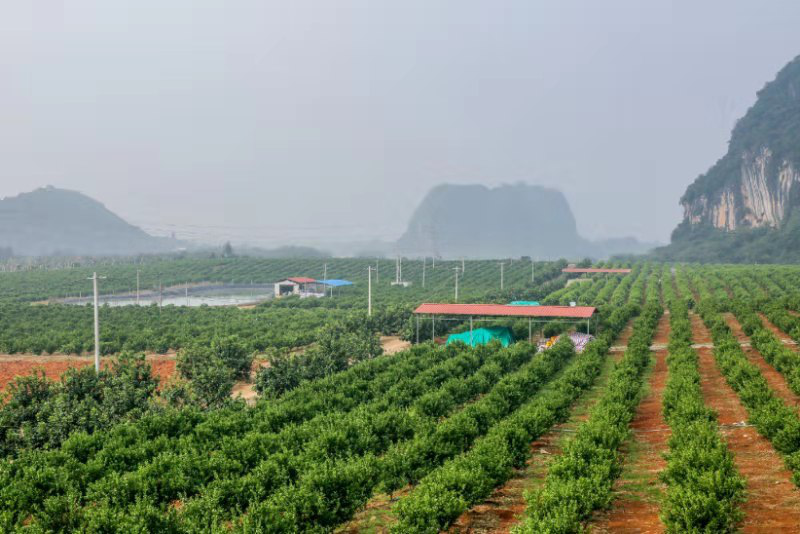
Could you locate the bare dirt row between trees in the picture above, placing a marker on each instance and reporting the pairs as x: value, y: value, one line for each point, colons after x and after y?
x: 780, y: 334
x: 639, y: 490
x: 772, y: 502
x: 505, y: 507
x: 775, y: 380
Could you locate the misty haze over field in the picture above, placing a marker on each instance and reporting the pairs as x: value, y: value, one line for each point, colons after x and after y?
x: 276, y: 122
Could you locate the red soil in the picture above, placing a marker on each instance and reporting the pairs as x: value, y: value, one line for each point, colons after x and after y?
x: 505, y: 507
x: 163, y: 366
x: 775, y: 380
x: 780, y: 334
x: 773, y: 502
x: 636, y: 509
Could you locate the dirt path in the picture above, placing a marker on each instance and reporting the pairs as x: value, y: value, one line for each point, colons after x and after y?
x: 621, y: 343
x: 637, y: 507
x: 775, y: 380
x: 773, y: 502
x: 393, y: 344
x: 500, y: 511
x: 504, y: 508
x: 780, y: 334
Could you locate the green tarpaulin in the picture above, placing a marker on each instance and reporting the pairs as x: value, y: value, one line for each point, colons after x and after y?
x: 482, y: 336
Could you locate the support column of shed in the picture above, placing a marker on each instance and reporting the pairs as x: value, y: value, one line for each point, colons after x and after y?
x: 470, y: 331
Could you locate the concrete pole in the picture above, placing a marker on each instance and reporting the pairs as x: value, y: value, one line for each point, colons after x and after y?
x: 369, y: 290
x: 96, y: 326
x: 502, y: 265
x: 456, y: 271
x: 94, y: 280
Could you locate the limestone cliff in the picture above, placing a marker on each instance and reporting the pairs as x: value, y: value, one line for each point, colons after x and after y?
x: 747, y: 198
x: 754, y: 184
x: 759, y: 195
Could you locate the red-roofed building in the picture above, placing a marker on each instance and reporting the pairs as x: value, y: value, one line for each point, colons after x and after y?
x: 580, y: 270
x: 505, y: 310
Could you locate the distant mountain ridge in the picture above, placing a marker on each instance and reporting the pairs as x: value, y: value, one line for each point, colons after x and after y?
x: 475, y: 221
x: 745, y: 207
x: 52, y: 221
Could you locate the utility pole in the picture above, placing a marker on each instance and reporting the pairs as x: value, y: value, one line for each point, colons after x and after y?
x: 325, y: 272
x: 533, y: 271
x: 94, y: 279
x: 369, y: 291
x: 456, y: 271
x: 424, y: 261
x: 502, y: 265
x: 137, y: 287
x: 377, y: 270
x: 462, y: 264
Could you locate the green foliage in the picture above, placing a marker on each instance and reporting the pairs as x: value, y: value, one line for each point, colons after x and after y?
x: 38, y: 413
x: 773, y: 418
x: 339, y: 345
x: 581, y: 479
x: 448, y: 491
x: 704, y: 490
x: 301, y: 460
x: 211, y: 371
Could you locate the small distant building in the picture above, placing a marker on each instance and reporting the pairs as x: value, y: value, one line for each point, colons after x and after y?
x: 307, y: 287
x: 334, y: 284
x: 304, y: 287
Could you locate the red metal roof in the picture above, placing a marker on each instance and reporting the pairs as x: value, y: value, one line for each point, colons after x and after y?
x: 579, y: 270
x: 301, y: 280
x: 504, y: 310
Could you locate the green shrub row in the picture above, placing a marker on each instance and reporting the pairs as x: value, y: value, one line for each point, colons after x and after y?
x: 771, y: 416
x: 331, y: 493
x: 85, y: 459
x: 448, y: 491
x: 582, y: 478
x: 704, y: 490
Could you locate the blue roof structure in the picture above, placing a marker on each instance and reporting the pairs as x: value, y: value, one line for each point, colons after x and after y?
x: 336, y: 283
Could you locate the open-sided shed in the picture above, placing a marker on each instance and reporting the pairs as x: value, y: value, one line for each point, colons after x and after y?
x: 481, y: 311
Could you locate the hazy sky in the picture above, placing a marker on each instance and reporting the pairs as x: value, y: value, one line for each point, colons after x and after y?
x: 291, y: 120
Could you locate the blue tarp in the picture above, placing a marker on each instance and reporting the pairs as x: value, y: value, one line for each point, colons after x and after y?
x: 335, y: 283
x: 524, y: 303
